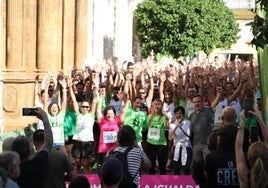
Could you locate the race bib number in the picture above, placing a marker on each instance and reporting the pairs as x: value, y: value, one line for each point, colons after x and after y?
x: 154, y: 133
x: 109, y: 137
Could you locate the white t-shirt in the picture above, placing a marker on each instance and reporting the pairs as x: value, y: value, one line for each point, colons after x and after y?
x: 84, y: 127
x: 218, y: 112
x: 180, y: 140
x: 189, y: 107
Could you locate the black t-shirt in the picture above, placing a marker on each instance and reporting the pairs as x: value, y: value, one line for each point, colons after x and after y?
x: 221, y: 169
x: 34, y: 171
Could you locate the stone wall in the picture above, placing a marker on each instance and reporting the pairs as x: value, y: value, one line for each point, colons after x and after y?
x: 36, y: 37
x: 49, y: 35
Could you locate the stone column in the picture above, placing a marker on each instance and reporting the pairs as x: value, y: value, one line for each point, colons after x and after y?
x: 90, y: 23
x: 2, y: 55
x: 14, y: 34
x: 29, y: 36
x: 81, y: 32
x: 68, y: 35
x: 49, y: 32
x: 3, y: 34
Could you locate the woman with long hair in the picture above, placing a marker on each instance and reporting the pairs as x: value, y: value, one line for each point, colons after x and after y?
x: 157, y: 124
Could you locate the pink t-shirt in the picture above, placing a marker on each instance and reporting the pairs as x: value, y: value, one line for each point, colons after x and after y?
x: 108, y: 134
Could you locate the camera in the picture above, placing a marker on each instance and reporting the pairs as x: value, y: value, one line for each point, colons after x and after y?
x: 29, y: 112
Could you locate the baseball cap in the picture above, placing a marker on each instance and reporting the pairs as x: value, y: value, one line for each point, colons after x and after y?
x: 112, y: 167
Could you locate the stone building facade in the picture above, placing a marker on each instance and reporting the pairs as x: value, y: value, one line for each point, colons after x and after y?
x: 37, y: 36
x: 49, y: 35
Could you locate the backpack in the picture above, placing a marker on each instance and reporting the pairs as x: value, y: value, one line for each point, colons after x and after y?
x: 127, y: 181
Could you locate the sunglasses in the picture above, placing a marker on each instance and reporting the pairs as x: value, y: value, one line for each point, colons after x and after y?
x: 85, y: 106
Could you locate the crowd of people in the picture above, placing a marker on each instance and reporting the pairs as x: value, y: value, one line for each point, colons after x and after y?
x: 186, y: 118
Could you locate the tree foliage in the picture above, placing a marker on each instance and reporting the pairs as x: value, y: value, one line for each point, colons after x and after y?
x: 183, y: 27
x: 259, y: 26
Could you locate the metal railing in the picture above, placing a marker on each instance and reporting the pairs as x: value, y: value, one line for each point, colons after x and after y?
x: 240, y: 4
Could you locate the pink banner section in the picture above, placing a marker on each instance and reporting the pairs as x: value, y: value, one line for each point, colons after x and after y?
x: 153, y: 181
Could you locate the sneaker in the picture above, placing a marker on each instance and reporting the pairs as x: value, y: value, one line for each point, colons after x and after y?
x: 95, y: 166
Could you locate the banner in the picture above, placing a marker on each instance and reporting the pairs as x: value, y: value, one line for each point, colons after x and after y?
x: 153, y: 181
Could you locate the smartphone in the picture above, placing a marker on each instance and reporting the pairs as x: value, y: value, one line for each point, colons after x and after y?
x: 259, y: 103
x: 28, y: 111
x: 253, y: 134
x: 248, y: 106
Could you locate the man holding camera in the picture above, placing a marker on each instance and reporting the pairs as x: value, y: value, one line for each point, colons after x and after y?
x: 34, y: 171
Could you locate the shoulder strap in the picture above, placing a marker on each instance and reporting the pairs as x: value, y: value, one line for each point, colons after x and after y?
x: 184, y: 132
x: 128, y: 150
x: 125, y: 155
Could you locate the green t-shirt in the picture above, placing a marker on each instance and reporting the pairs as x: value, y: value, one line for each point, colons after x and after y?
x: 69, y: 123
x: 156, y: 130
x: 57, y: 127
x: 135, y: 119
x: 181, y: 102
x: 250, y: 122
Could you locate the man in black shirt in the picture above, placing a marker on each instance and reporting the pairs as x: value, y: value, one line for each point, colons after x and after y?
x: 33, y: 171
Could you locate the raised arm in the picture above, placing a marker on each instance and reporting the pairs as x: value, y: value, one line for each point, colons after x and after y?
x: 162, y: 79
x: 37, y: 95
x: 218, y: 98
x: 125, y: 100
x: 95, y: 100
x: 236, y: 92
x: 100, y: 96
x: 150, y: 94
x: 48, y: 137
x: 46, y: 85
x: 263, y: 127
x: 54, y: 79
x: 72, y: 95
x: 63, y: 84
x: 241, y: 165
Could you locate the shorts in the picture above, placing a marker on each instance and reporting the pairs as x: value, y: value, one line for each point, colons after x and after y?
x: 82, y: 150
x: 69, y: 141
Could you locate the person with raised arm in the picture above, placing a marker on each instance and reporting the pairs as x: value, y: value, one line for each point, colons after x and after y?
x: 83, y: 139
x: 243, y: 169
x: 34, y: 171
x: 56, y: 113
x: 109, y: 123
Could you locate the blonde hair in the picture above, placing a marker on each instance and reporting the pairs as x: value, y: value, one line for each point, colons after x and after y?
x: 153, y: 113
x: 255, y: 150
x: 259, y: 170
